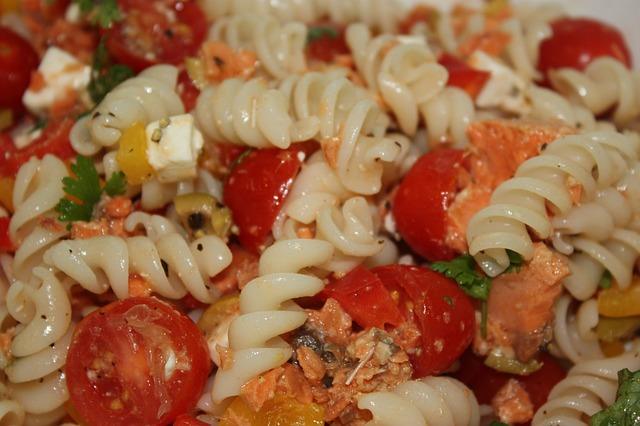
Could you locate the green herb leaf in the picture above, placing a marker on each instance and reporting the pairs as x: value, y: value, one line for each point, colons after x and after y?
x: 497, y: 423
x: 101, y: 12
x: 40, y: 123
x: 316, y: 33
x: 605, y: 280
x: 116, y: 185
x: 462, y: 270
x: 70, y: 211
x: 626, y: 410
x: 515, y: 261
x: 104, y: 76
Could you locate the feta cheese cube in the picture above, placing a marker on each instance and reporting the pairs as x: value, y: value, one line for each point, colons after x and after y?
x: 505, y: 89
x: 62, y: 73
x: 173, y: 146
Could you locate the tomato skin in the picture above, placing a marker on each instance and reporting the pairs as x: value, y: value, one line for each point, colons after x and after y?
x: 5, y: 241
x: 155, y: 39
x: 463, y: 76
x: 53, y: 140
x: 257, y: 188
x: 125, y: 344
x: 420, y: 204
x: 576, y: 42
x: 365, y: 298
x: 420, y: 13
x: 188, y: 91
x: 326, y: 48
x: 443, y: 313
x: 18, y: 60
x: 485, y: 382
x: 187, y: 420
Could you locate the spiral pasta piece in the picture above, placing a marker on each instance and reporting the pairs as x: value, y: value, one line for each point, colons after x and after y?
x: 267, y: 311
x: 573, y: 335
x: 604, y: 84
x: 438, y: 401
x: 36, y: 192
x: 447, y: 116
x: 589, y: 387
x: 172, y: 266
x: 280, y: 48
x: 521, y: 202
x: 382, y: 15
x: 35, y: 376
x: 147, y: 97
x: 405, y: 74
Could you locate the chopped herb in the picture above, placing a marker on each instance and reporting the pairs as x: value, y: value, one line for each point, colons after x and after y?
x: 101, y: 12
x: 448, y: 300
x: 497, y: 423
x: 626, y: 410
x: 85, y: 187
x: 605, y: 280
x: 515, y: 261
x: 462, y: 270
x: 104, y: 75
x: 40, y: 123
x: 316, y: 33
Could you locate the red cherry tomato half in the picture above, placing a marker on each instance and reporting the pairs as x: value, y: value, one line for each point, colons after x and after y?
x: 147, y: 35
x: 187, y: 90
x: 187, y: 420
x: 136, y: 361
x: 463, y: 76
x: 258, y: 186
x: 443, y: 313
x: 578, y: 41
x: 421, y: 202
x: 365, y: 298
x: 485, y: 382
x: 419, y: 14
x: 17, y: 61
x: 53, y: 140
x: 5, y: 241
x: 330, y: 42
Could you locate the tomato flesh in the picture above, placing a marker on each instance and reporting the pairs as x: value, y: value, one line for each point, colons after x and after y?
x: 5, y: 241
x: 576, y: 42
x: 443, y: 313
x: 136, y: 361
x: 187, y: 420
x: 187, y: 90
x: 329, y: 45
x: 146, y: 36
x: 463, y: 76
x: 365, y: 298
x: 421, y: 202
x: 17, y: 61
x: 257, y: 188
x: 53, y: 140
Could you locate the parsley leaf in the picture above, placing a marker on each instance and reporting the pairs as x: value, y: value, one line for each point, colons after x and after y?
x: 101, y: 12
x: 626, y: 410
x: 497, y: 423
x: 515, y: 261
x: 316, y: 33
x: 104, y: 76
x: 462, y: 270
x: 116, y: 185
x: 605, y: 280
x: 85, y: 187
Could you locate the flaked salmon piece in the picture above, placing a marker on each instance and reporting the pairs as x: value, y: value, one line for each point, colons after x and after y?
x: 512, y: 403
x: 311, y: 364
x: 520, y: 305
x: 332, y: 323
x: 497, y: 148
x: 293, y: 383
x: 243, y: 268
x: 118, y: 207
x: 492, y: 42
x: 260, y: 389
x: 138, y: 286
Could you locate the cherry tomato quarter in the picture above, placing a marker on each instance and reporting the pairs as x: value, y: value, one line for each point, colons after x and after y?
x: 326, y: 42
x: 5, y: 242
x: 18, y: 60
x: 463, y: 76
x: 136, y: 361
x: 421, y: 202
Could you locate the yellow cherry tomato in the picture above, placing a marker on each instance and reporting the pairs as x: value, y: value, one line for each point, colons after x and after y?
x: 280, y: 411
x: 617, y: 303
x: 132, y: 155
x: 6, y: 193
x: 218, y: 312
x: 7, y: 6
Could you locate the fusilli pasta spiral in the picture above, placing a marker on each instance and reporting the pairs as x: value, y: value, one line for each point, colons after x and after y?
x: 573, y: 332
x: 441, y: 401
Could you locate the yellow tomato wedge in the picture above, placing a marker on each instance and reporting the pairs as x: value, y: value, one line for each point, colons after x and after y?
x: 6, y: 193
x: 616, y: 303
x: 281, y: 410
x: 218, y: 312
x: 132, y: 155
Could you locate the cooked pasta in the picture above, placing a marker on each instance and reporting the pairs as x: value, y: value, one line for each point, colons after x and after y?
x: 573, y: 332
x: 279, y: 47
x: 604, y: 84
x: 147, y: 97
x: 447, y: 116
x: 267, y: 311
x: 589, y: 387
x: 520, y: 202
x: 441, y: 401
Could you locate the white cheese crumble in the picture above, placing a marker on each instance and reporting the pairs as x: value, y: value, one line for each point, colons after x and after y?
x: 62, y: 73
x: 173, y: 146
x: 504, y: 89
